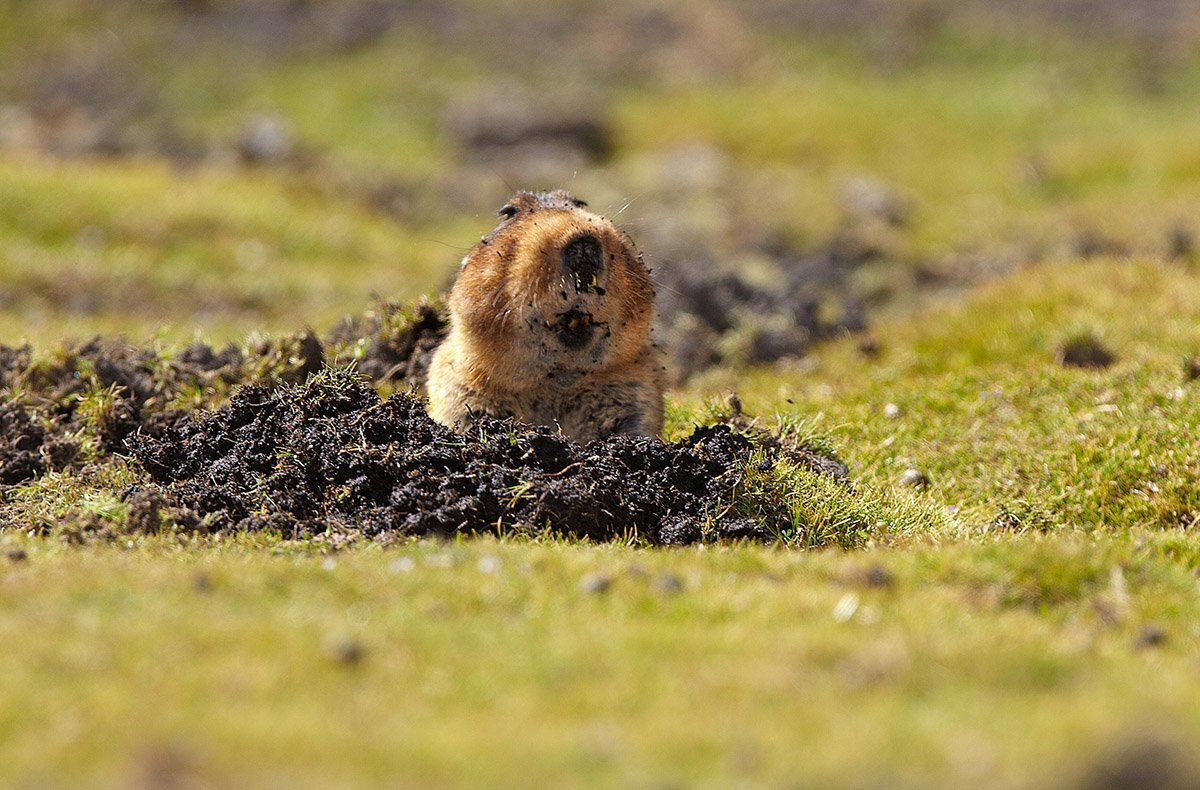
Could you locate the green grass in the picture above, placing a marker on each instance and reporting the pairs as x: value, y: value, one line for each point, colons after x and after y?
x: 138, y: 247
x: 486, y: 662
x: 999, y: 143
x: 982, y: 406
x: 1004, y: 147
x: 1019, y: 622
x: 957, y: 648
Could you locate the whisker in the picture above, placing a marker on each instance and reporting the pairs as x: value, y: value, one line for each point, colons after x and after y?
x: 511, y: 189
x: 447, y: 244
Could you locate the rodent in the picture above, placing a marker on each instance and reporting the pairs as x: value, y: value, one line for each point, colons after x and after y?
x: 550, y: 324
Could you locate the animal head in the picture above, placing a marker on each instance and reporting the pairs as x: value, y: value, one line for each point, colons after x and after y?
x: 553, y: 287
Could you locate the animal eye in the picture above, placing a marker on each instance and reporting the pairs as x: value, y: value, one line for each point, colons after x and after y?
x: 508, y: 212
x: 579, y: 203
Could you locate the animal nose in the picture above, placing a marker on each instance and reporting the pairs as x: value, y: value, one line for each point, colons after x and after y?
x: 583, y: 259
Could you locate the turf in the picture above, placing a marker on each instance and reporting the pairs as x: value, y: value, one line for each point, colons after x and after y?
x: 1004, y: 594
x: 1053, y: 605
x: 502, y: 663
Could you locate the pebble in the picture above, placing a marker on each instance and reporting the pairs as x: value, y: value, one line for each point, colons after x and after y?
x: 595, y: 584
x: 878, y: 576
x: 846, y: 606
x: 402, y: 565
x: 346, y: 652
x: 1150, y: 635
x: 667, y: 584
x: 265, y: 139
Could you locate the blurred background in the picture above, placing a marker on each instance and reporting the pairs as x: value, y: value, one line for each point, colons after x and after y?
x: 789, y: 169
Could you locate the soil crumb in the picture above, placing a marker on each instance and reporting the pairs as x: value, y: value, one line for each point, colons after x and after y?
x: 1085, y: 350
x: 331, y: 454
x: 20, y: 445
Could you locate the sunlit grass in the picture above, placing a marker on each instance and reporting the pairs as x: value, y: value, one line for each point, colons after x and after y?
x: 973, y: 396
x: 1029, y: 613
x: 142, y: 247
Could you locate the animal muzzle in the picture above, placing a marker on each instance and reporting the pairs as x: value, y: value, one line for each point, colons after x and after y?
x: 583, y: 263
x: 574, y: 328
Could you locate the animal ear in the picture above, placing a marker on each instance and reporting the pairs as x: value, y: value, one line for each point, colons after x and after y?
x: 509, y: 211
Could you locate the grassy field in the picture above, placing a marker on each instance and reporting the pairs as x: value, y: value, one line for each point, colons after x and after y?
x: 1021, y: 603
x: 1042, y: 632
x: 1011, y: 661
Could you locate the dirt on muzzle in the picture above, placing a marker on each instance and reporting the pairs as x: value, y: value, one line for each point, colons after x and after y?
x: 330, y: 453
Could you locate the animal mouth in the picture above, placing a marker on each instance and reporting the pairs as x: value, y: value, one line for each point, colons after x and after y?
x: 574, y: 328
x: 583, y: 261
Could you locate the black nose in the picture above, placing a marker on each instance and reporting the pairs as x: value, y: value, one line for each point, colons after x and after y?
x: 583, y: 258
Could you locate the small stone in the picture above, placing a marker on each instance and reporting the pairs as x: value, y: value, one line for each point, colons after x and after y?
x: 914, y: 478
x: 845, y: 608
x: 1150, y: 635
x: 869, y: 197
x: 667, y: 584
x: 1181, y: 242
x: 1085, y: 351
x: 265, y: 139
x: 891, y: 411
x: 346, y: 652
x: 402, y: 565
x: 878, y: 576
x: 595, y: 584
x: 869, y: 347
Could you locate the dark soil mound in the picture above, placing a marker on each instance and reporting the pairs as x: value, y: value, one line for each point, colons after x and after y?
x: 392, y: 344
x: 1085, y: 350
x: 20, y: 445
x: 301, y: 449
x: 302, y: 458
x: 701, y: 309
x: 105, y: 389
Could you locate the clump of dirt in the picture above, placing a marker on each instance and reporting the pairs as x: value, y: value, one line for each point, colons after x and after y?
x: 83, y: 401
x: 146, y: 515
x: 503, y: 120
x: 92, y: 396
x: 330, y: 453
x: 392, y: 344
x: 1143, y: 760
x: 21, y: 441
x: 1085, y: 350
x: 781, y: 444
x: 710, y: 317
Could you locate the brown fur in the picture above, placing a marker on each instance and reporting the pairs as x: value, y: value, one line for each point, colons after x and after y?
x: 535, y: 336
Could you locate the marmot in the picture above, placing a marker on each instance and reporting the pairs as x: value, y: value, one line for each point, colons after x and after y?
x: 550, y: 323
